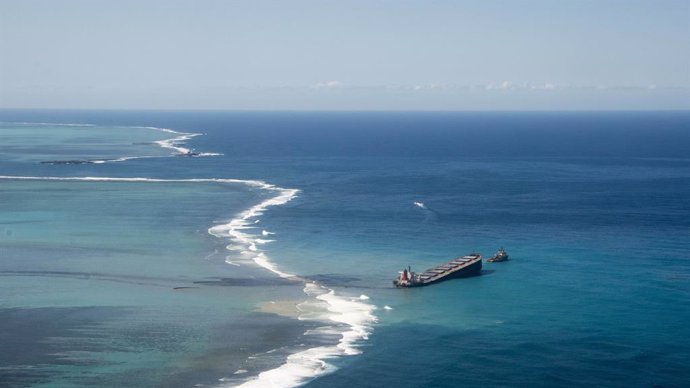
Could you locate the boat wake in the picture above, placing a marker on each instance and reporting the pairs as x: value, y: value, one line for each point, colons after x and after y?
x: 431, y: 215
x: 349, y: 317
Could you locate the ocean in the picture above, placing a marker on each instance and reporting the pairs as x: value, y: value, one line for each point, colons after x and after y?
x: 218, y: 249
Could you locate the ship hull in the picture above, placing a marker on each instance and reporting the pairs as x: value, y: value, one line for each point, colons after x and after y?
x: 470, y: 268
x: 474, y: 269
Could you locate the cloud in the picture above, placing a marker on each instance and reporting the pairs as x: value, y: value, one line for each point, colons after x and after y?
x: 329, y: 85
x: 546, y: 86
x: 505, y: 85
x: 510, y: 85
x: 433, y: 87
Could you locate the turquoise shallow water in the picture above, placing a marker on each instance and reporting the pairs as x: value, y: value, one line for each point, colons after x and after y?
x: 592, y: 208
x: 27, y: 142
x: 119, y: 283
x: 109, y: 256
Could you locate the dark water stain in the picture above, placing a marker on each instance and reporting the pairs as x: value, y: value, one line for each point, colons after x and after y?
x: 247, y: 282
x: 334, y: 280
x: 440, y: 356
x: 266, y: 338
x: 35, y: 341
x: 129, y: 279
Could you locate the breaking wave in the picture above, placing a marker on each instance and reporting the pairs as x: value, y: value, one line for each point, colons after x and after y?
x: 177, y: 144
x: 351, y: 317
x: 353, y: 320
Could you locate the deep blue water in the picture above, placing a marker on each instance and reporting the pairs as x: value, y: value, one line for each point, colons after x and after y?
x: 593, y: 209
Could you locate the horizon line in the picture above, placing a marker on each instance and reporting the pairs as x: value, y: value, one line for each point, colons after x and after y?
x: 340, y: 110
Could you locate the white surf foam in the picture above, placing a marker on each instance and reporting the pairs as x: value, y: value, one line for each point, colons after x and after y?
x: 177, y: 143
x: 229, y: 261
x: 122, y: 159
x: 249, y: 182
x: 202, y: 154
x: 354, y: 319
x: 236, y: 229
x: 351, y: 317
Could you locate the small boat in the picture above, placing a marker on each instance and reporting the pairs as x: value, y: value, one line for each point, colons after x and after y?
x: 501, y: 255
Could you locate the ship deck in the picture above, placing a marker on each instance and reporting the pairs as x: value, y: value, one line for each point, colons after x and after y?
x: 451, y: 269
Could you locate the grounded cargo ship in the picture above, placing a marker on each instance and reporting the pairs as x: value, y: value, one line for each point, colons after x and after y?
x: 461, y: 267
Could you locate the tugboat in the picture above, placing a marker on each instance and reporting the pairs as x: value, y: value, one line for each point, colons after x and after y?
x: 501, y: 255
x: 461, y: 267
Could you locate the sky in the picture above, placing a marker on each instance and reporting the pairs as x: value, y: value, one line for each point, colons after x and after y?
x: 345, y: 55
